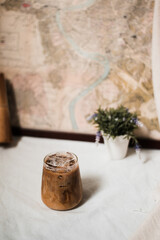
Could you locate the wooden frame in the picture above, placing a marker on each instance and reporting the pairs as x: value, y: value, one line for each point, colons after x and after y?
x: 17, y: 131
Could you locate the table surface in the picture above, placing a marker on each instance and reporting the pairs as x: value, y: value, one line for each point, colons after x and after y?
x: 117, y: 195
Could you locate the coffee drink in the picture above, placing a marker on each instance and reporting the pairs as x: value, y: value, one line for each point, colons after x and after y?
x: 61, y: 181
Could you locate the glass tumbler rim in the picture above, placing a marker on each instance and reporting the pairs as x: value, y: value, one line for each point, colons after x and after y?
x: 72, y: 163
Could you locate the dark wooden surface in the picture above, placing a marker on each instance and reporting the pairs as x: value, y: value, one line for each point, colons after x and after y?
x: 144, y: 142
x: 5, y: 128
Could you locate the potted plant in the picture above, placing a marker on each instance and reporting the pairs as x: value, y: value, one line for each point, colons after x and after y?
x: 117, y: 128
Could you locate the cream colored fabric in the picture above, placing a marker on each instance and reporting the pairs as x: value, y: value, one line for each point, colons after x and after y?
x: 118, y: 195
x: 150, y: 230
x: 156, y: 56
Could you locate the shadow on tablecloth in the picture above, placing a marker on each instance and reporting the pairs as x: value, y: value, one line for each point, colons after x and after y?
x: 91, y: 185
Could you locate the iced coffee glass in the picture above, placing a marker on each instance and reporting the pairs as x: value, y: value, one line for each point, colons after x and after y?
x: 61, y: 181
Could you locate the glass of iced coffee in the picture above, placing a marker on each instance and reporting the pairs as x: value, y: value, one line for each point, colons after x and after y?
x: 61, y: 181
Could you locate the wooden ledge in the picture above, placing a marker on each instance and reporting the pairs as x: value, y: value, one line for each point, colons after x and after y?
x: 17, y: 131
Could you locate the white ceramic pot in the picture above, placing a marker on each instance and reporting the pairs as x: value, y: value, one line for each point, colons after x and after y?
x: 117, y: 147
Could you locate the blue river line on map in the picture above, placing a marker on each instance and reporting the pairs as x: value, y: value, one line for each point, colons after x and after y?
x: 96, y: 57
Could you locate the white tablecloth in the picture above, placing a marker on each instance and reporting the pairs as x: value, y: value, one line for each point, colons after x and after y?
x: 118, y: 195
